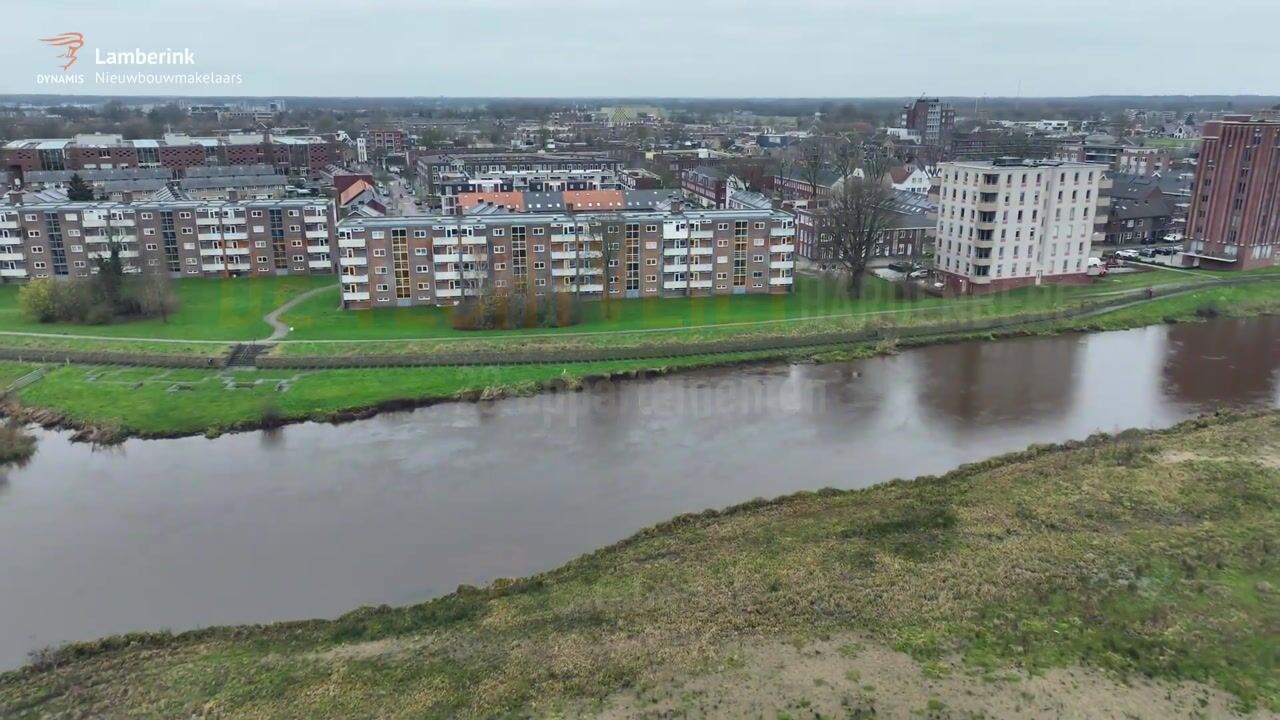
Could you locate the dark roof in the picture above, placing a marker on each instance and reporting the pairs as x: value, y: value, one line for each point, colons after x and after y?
x: 708, y: 171
x: 1133, y: 187
x: 1156, y: 206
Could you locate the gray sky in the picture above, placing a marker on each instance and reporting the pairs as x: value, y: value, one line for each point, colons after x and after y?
x: 719, y: 48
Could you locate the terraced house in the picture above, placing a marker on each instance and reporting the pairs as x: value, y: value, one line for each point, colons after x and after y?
x: 217, y: 238
x: 629, y: 253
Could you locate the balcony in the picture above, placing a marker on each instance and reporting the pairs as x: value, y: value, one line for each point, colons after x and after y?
x: 781, y: 264
x: 704, y: 251
x: 357, y: 261
x: 351, y: 242
x: 313, y: 249
x: 449, y: 292
x: 780, y: 280
x: 782, y: 232
x: 13, y: 272
x: 211, y: 252
x: 357, y: 296
x: 675, y: 285
x: 448, y: 275
x: 782, y: 248
x: 317, y: 233
x: 8, y: 224
x: 702, y: 234
x: 12, y: 257
x: 92, y: 222
x: 677, y: 252
x: 207, y: 237
x: 103, y: 254
x: 213, y: 267
x: 235, y: 236
x: 122, y: 222
x: 474, y: 239
x: 239, y: 267
x: 700, y: 284
x: 571, y: 255
x: 449, y: 258
x: 587, y: 287
x: 355, y: 279
x: 208, y: 221
x: 320, y: 264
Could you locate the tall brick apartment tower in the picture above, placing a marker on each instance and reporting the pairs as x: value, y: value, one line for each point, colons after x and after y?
x: 1234, y: 219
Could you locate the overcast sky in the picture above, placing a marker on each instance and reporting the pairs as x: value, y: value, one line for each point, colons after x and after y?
x: 720, y: 48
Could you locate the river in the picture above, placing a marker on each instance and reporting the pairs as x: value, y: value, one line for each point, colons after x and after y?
x: 313, y: 520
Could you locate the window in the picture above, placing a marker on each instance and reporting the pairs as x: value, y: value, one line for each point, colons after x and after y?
x: 651, y: 228
x: 255, y: 213
x: 148, y: 231
x: 498, y: 232
x: 539, y: 231
x: 499, y: 249
x: 424, y: 286
x: 499, y: 266
x: 299, y: 258
x: 37, y: 249
x: 380, y: 270
x: 184, y: 214
x: 186, y: 231
x: 39, y: 265
x: 380, y: 288
x: 651, y: 278
x: 379, y: 252
x: 651, y: 261
x: 421, y: 268
x: 152, y: 246
x: 539, y: 248
x: 539, y: 265
x: 759, y: 226
x: 757, y: 258
x: 259, y: 243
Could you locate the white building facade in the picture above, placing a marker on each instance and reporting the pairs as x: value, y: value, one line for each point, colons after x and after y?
x: 1009, y: 223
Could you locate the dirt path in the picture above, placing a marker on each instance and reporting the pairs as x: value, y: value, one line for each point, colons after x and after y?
x: 848, y: 678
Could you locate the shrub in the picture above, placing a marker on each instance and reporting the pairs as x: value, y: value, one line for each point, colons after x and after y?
x: 506, y: 310
x: 96, y: 301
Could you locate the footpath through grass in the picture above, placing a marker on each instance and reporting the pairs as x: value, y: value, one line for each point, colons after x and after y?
x: 1147, y: 554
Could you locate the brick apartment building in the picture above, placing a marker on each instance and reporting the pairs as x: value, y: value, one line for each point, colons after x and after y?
x: 183, y: 238
x: 1234, y: 219
x: 450, y: 185
x: 933, y: 121
x: 1011, y: 222
x: 913, y: 219
x: 303, y: 155
x: 387, y: 141
x: 709, y: 187
x: 432, y: 167
x: 436, y: 260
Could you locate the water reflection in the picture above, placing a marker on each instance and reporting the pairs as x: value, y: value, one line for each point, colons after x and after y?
x: 312, y: 520
x: 1208, y: 361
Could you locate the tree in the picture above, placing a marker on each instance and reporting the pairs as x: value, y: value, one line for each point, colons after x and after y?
x: 811, y: 163
x: 156, y: 296
x: 855, y: 220
x: 78, y: 190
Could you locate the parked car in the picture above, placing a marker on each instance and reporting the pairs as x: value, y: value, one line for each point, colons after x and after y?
x: 1147, y: 253
x: 1127, y: 254
x: 902, y: 267
x: 920, y: 274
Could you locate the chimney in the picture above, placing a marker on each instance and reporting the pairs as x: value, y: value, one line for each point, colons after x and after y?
x: 15, y: 197
x: 677, y: 205
x: 233, y: 195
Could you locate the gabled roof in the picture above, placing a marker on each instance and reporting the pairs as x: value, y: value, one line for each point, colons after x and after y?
x: 353, y: 191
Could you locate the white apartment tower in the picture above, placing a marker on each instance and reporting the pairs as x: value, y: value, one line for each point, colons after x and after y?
x: 1010, y: 222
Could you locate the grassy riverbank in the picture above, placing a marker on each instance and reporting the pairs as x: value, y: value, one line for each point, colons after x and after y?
x: 1131, y: 575
x: 120, y: 402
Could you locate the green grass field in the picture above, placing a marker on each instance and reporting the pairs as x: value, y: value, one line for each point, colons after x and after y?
x: 1134, y: 562
x: 318, y: 317
x: 210, y: 310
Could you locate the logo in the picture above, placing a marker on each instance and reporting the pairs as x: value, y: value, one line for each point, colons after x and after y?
x: 71, y: 41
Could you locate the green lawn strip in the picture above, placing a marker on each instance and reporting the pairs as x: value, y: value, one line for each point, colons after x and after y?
x: 230, y: 309
x: 11, y: 371
x: 121, y: 346
x: 142, y: 403
x: 1144, y: 554
x: 319, y: 318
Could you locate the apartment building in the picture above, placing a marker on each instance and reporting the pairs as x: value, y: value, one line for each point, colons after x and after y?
x: 184, y: 238
x: 1234, y: 219
x: 1014, y: 222
x: 450, y: 186
x: 912, y: 221
x: 302, y: 155
x: 387, y: 141
x: 932, y: 120
x: 433, y: 166
x: 439, y: 259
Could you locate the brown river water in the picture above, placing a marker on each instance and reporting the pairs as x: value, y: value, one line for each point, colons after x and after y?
x: 314, y: 520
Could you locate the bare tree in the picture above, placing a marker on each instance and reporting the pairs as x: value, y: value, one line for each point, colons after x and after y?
x: 856, y: 219
x: 811, y: 163
x: 156, y: 296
